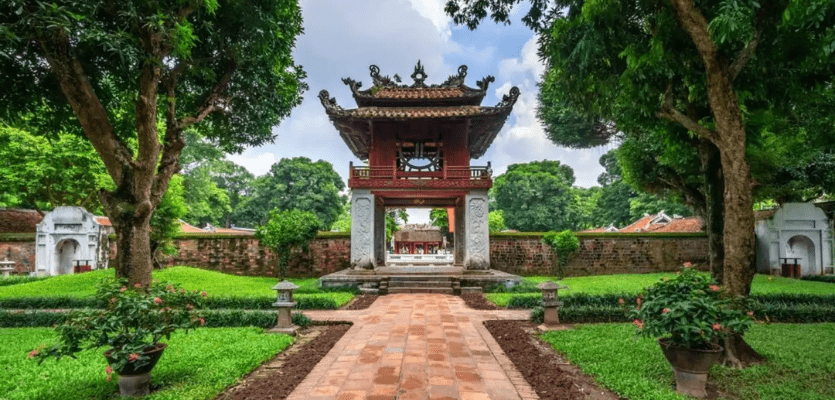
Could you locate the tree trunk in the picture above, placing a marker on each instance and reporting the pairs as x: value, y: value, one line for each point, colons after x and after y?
x: 714, y: 208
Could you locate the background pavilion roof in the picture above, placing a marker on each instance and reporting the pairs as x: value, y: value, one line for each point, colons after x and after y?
x: 389, y: 101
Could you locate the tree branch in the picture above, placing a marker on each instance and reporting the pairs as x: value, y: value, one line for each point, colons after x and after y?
x: 669, y: 111
x: 211, y: 104
x: 85, y: 103
x: 744, y: 56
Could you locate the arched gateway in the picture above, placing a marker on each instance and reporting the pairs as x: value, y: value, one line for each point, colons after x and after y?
x: 418, y: 140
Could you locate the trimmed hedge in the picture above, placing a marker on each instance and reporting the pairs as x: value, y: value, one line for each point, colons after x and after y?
x: 819, y: 278
x: 595, y: 235
x: 180, y: 236
x: 531, y: 300
x: 17, y: 237
x: 212, y: 303
x: 18, y: 279
x: 769, y: 312
x: 214, y: 318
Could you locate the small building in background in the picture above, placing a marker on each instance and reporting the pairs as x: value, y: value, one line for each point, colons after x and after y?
x: 71, y: 240
x: 796, y: 234
x: 419, y: 239
x: 657, y: 223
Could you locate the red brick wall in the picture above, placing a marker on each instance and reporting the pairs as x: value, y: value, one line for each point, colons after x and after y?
x: 527, y: 255
x: 244, y: 256
x: 21, y: 252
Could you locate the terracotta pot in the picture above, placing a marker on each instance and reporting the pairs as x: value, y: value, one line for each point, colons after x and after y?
x: 691, y: 366
x: 136, y: 381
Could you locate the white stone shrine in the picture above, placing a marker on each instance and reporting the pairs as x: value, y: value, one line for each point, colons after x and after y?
x: 68, y: 237
x: 797, y: 232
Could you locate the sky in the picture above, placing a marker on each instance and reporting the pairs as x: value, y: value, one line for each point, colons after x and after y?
x: 343, y: 38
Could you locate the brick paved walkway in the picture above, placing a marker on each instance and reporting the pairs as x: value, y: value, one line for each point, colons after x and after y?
x: 415, y: 346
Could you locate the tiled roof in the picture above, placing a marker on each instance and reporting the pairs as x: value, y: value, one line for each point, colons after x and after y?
x: 19, y: 221
x: 418, y: 112
x: 103, y: 221
x: 676, y: 224
x: 418, y: 93
x: 187, y: 228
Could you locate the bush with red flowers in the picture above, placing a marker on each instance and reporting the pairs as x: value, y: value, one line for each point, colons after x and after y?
x: 133, y: 319
x: 690, y: 310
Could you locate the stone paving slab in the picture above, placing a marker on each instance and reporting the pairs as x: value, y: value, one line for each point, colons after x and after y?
x: 415, y: 346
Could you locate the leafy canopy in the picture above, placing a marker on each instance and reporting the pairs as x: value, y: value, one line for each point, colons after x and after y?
x: 285, y: 231
x: 535, y: 196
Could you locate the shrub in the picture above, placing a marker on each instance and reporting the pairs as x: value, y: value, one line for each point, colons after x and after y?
x: 564, y: 245
x: 135, y: 318
x: 17, y: 279
x: 820, y: 278
x: 689, y: 310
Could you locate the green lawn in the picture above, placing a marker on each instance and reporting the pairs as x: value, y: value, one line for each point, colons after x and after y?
x: 633, y: 283
x: 197, y: 365
x: 214, y: 283
x: 801, y: 362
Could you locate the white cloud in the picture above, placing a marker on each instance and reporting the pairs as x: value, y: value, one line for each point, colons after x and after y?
x: 255, y: 161
x: 433, y: 10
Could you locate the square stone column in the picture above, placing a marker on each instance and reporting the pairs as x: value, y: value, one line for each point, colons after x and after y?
x: 362, y: 229
x: 477, y: 231
x: 459, y: 236
x: 380, y: 235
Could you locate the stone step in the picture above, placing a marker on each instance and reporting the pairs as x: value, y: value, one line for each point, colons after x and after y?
x: 399, y: 284
x: 438, y: 290
x: 414, y: 278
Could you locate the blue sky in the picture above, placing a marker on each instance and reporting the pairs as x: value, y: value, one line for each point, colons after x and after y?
x: 342, y: 38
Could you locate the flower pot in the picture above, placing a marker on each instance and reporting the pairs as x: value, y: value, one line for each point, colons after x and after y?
x: 136, y: 381
x: 691, y: 366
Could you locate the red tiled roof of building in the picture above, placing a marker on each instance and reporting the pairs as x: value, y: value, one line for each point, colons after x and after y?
x: 103, y: 221
x: 421, y: 112
x: 595, y: 230
x: 187, y: 228
x: 667, y: 225
x: 19, y: 220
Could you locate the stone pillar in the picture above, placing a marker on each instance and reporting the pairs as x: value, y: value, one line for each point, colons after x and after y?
x: 459, y: 236
x: 380, y: 235
x: 362, y: 229
x: 477, y: 231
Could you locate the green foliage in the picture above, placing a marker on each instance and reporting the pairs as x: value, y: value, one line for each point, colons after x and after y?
x: 294, y: 183
x: 324, y: 300
x: 46, y: 172
x: 535, y: 196
x: 495, y: 220
x: 440, y: 218
x: 18, y: 279
x: 634, y: 368
x: 285, y: 231
x: 819, y: 278
x: 133, y: 320
x: 689, y: 310
x: 564, y: 244
x: 197, y: 366
x: 343, y: 221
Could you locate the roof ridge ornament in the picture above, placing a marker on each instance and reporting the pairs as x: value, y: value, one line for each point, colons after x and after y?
x: 419, y: 76
x: 482, y: 84
x: 456, y: 80
x: 509, y: 99
x: 382, y: 80
x: 328, y: 102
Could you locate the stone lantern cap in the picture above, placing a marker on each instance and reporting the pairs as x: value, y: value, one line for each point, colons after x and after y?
x: 285, y: 285
x: 551, y: 286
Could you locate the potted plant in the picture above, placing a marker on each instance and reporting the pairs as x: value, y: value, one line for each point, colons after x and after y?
x: 689, y: 315
x: 131, y: 321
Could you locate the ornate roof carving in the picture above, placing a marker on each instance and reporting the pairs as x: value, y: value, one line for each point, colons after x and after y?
x: 388, y: 91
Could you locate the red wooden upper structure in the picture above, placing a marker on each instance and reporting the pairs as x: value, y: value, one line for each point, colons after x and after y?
x: 418, y: 139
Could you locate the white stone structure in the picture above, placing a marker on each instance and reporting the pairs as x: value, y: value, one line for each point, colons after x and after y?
x: 797, y: 230
x: 68, y: 236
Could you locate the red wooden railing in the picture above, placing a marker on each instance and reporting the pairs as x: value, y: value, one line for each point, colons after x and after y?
x: 448, y: 173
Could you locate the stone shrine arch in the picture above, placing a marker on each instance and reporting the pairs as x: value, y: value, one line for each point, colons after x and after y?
x: 803, y: 247
x: 66, y: 252
x: 418, y: 140
x: 797, y: 230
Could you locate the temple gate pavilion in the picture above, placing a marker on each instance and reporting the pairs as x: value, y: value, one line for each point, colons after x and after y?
x: 418, y: 140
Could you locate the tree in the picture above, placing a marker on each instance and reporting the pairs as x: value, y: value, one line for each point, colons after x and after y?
x: 715, y: 69
x: 136, y: 73
x: 286, y: 231
x: 165, y: 223
x: 535, y: 196
x: 440, y: 218
x: 45, y: 172
x: 495, y: 220
x: 294, y: 183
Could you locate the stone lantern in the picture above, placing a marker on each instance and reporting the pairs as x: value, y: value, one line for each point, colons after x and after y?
x: 285, y: 305
x: 550, y: 302
x: 6, y: 266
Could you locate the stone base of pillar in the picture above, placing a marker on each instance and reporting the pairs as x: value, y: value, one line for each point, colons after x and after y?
x: 290, y: 330
x: 552, y: 316
x: 477, y: 263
